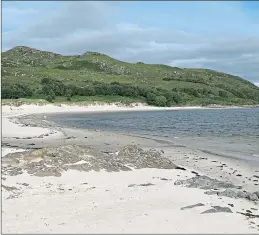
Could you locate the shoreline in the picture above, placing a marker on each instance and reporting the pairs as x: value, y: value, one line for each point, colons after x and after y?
x: 49, y: 134
x: 10, y: 113
x: 31, y: 110
x: 115, y: 107
x: 118, y: 195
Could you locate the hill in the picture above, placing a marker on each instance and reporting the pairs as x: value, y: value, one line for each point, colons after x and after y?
x: 31, y: 73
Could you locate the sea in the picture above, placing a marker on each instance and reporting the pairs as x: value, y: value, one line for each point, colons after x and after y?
x: 227, y: 132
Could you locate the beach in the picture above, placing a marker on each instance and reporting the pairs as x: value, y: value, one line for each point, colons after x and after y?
x: 88, y: 195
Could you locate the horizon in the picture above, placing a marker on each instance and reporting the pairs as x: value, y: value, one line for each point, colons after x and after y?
x: 128, y: 31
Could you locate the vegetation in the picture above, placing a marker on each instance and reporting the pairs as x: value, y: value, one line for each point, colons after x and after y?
x: 31, y: 73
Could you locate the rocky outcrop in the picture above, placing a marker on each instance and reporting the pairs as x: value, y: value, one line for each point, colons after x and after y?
x: 204, y: 182
x: 217, y: 209
x: 234, y: 193
x: 192, y: 206
x: 53, y: 161
x: 215, y: 187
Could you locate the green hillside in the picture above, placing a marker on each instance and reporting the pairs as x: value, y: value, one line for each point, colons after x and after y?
x: 31, y: 73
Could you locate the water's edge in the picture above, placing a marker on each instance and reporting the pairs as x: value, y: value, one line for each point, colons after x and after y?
x: 232, y: 135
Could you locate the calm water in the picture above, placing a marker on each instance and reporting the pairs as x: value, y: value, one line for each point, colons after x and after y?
x: 232, y: 132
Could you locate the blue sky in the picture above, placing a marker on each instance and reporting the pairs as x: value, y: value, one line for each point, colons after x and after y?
x: 219, y: 35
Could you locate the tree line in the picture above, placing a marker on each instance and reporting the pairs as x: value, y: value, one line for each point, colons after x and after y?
x: 51, y: 88
x: 153, y: 96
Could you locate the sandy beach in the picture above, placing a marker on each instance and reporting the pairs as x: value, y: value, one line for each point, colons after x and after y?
x: 101, y: 190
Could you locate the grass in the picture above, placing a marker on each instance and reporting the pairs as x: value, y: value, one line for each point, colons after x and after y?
x: 28, y: 66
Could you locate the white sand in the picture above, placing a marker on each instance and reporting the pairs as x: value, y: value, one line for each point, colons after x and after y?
x: 11, y: 129
x: 66, y: 205
x: 10, y: 111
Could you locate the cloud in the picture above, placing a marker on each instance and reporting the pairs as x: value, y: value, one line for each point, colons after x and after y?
x: 218, y: 35
x: 72, y: 16
x: 10, y: 14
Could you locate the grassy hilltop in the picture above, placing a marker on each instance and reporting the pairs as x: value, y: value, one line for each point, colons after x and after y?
x: 31, y: 73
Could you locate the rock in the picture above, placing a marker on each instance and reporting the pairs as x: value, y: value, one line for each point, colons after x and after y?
x: 12, y: 171
x: 230, y: 204
x: 139, y: 158
x: 204, y: 182
x: 194, y: 172
x: 209, y: 211
x: 143, y: 185
x: 9, y: 188
x: 250, y: 215
x: 210, y: 192
x: 252, y: 197
x: 217, y: 209
x: 180, y: 168
x: 192, y: 206
x: 53, y: 161
x: 234, y: 193
x: 148, y: 184
x: 231, y: 193
x: 164, y: 179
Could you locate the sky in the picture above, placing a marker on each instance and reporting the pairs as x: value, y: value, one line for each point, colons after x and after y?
x: 223, y: 36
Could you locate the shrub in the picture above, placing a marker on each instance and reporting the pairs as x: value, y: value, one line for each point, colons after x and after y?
x: 223, y: 94
x: 160, y: 101
x: 150, y: 98
x: 50, y: 97
x: 15, y: 91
